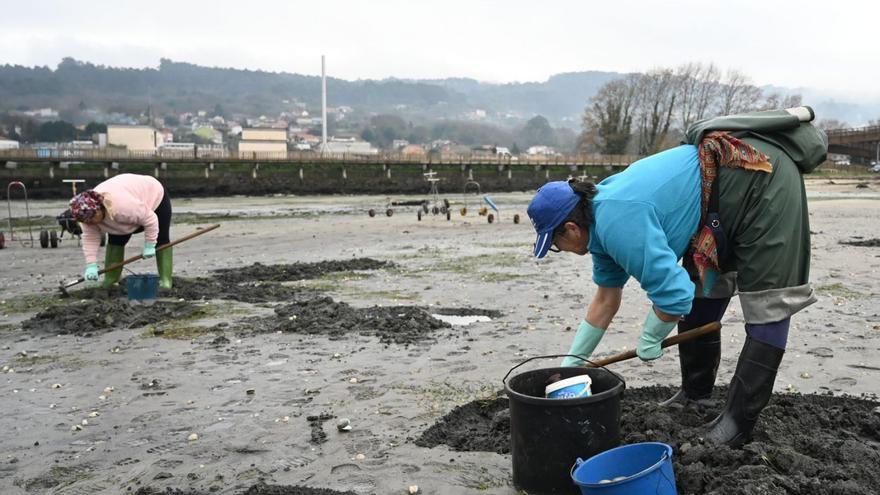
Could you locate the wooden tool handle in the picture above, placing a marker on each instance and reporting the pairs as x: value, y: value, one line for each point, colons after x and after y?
x: 160, y: 248
x: 63, y: 287
x: 682, y: 337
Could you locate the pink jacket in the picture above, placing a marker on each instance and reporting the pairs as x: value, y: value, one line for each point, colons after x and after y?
x: 131, y: 201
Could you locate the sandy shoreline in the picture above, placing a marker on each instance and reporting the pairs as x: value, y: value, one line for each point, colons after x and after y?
x: 390, y: 392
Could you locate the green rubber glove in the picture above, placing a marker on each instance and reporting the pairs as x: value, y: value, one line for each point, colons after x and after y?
x: 585, y: 341
x: 653, y: 332
x: 149, y: 249
x: 91, y: 272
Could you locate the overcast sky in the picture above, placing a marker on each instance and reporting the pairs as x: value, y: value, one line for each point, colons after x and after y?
x: 832, y: 46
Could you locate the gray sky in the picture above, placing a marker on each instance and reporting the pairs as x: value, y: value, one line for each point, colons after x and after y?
x: 832, y: 46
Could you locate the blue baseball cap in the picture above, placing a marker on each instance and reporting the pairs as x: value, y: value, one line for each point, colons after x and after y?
x: 548, y: 209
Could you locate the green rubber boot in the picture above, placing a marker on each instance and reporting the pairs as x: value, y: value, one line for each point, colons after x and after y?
x: 113, y: 254
x: 165, y: 265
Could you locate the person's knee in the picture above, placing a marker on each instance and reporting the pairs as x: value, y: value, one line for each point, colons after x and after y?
x: 775, y: 334
x: 702, y: 312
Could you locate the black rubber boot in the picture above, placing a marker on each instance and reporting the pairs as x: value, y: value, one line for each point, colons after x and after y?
x: 750, y: 390
x: 699, y: 358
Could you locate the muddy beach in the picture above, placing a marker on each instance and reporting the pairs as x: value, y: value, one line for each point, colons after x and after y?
x: 818, y: 444
x: 228, y: 408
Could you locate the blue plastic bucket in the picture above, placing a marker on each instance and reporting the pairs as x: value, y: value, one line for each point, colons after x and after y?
x: 141, y: 288
x: 636, y: 469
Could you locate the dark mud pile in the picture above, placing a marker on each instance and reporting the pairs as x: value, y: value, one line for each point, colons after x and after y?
x: 251, y: 284
x: 94, y: 316
x: 803, y: 444
x: 297, y: 271
x: 324, y: 316
x: 249, y: 292
x: 205, y: 288
x: 482, y: 426
x: 858, y: 241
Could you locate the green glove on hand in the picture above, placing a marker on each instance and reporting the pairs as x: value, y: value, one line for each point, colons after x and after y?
x: 653, y: 332
x: 149, y: 249
x: 585, y: 341
x: 91, y: 272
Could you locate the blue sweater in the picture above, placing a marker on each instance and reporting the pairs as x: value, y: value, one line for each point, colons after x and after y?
x: 645, y: 217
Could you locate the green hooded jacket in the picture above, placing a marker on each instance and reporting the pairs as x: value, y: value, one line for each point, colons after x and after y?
x: 789, y: 130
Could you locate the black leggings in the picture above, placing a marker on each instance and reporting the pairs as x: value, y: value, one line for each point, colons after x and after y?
x: 163, y: 212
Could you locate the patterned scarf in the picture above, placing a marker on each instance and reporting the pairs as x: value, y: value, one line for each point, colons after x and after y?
x: 718, y: 149
x: 85, y: 205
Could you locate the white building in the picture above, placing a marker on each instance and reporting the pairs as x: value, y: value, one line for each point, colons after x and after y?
x: 8, y: 144
x: 349, y: 147
x: 134, y: 137
x: 541, y: 150
x: 263, y: 141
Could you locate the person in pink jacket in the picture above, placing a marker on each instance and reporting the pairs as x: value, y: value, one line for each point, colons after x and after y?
x: 121, y: 206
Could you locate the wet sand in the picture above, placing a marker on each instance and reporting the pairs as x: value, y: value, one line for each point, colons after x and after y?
x: 247, y: 395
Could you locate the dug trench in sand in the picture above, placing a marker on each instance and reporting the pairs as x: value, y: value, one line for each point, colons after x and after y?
x: 814, y: 444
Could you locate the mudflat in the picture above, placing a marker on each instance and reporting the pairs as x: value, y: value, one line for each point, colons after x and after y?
x: 302, y: 315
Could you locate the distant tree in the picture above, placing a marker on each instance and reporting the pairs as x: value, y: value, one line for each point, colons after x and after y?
x: 367, y: 135
x: 95, y: 128
x: 218, y: 111
x: 171, y: 120
x: 384, y: 129
x: 566, y: 140
x: 774, y: 101
x: 831, y: 124
x: 607, y: 120
x: 657, y: 92
x: 738, y: 94
x: 537, y: 131
x: 56, y: 131
x: 698, y: 88
x: 195, y: 138
x: 419, y: 134
x: 471, y: 133
x: 18, y: 127
x: 514, y: 150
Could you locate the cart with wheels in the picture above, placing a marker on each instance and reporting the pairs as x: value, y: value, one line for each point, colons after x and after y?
x: 29, y: 241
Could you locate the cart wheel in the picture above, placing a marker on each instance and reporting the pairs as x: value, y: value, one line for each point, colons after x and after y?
x: 420, y: 215
x: 425, y: 207
x: 448, y: 215
x: 435, y: 210
x: 372, y: 213
x: 446, y: 203
x: 53, y: 239
x: 463, y: 211
x: 44, y: 239
x: 483, y: 211
x: 516, y: 218
x: 443, y: 209
x: 2, y: 240
x: 490, y: 218
x: 389, y: 212
x: 103, y: 239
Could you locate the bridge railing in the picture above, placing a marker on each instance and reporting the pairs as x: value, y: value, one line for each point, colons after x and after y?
x: 210, y: 155
x: 851, y: 131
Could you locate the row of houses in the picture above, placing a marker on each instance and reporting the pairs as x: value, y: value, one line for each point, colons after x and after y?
x: 260, y: 140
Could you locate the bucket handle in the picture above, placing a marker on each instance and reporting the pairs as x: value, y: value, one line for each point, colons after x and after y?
x: 556, y: 356
x: 579, y: 462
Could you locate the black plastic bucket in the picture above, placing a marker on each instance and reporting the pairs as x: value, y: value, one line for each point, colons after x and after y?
x: 548, y: 435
